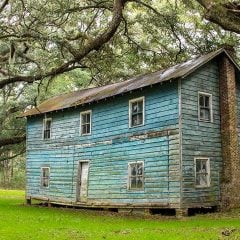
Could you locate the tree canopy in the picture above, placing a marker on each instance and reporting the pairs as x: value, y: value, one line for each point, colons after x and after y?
x: 51, y: 47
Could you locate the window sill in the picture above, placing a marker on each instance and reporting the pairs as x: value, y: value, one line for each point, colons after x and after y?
x: 205, y: 121
x: 87, y: 134
x: 136, y: 190
x: 204, y: 186
x: 136, y: 126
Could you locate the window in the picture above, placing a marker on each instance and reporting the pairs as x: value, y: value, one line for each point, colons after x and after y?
x: 135, y: 176
x: 45, y: 176
x: 136, y: 112
x: 85, y: 122
x: 47, y: 122
x: 205, y: 107
x: 202, y: 172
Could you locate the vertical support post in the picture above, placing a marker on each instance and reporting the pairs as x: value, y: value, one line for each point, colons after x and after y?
x: 181, y: 212
x: 29, y: 201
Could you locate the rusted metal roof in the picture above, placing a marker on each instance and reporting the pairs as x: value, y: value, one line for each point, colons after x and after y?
x: 94, y: 94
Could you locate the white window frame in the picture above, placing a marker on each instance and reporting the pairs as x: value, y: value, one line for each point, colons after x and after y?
x: 130, y: 111
x: 208, y: 171
x: 129, y: 176
x: 211, y: 107
x: 41, y: 180
x: 86, y: 112
x: 43, y: 130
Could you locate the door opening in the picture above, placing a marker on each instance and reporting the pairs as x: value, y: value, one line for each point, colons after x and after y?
x: 82, y: 182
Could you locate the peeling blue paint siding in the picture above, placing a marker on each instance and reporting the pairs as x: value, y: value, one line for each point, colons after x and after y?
x: 110, y: 147
x: 200, y: 139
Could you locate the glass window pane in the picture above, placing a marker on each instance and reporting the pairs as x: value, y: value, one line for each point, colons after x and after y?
x: 47, y: 128
x: 203, y: 179
x: 139, y: 168
x: 207, y: 101
x: 204, y: 107
x: 140, y: 119
x: 140, y: 106
x: 202, y: 172
x: 45, y: 177
x: 202, y: 114
x: 139, y: 182
x: 204, y: 166
x: 136, y: 176
x: 87, y: 128
x: 207, y: 114
x: 84, y: 129
x: 134, y: 107
x: 83, y: 119
x: 48, y: 124
x: 45, y: 172
x: 133, y: 182
x: 198, y: 166
x: 198, y: 179
x: 134, y: 120
x: 201, y: 100
x: 88, y: 118
x: 133, y: 170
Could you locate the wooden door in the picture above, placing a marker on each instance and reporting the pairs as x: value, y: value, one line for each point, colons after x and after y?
x: 83, y: 181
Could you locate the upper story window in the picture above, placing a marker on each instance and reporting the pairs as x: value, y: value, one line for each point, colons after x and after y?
x: 135, y: 176
x: 202, y: 172
x: 136, y: 112
x: 47, y: 124
x: 205, y: 107
x: 85, y: 122
x: 45, y: 177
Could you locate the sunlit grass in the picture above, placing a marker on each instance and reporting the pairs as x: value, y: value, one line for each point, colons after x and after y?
x: 18, y: 221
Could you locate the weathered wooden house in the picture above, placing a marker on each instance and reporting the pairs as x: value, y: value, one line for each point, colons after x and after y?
x: 165, y: 140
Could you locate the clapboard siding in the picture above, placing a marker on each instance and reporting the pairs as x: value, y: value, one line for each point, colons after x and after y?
x: 200, y: 139
x: 110, y: 147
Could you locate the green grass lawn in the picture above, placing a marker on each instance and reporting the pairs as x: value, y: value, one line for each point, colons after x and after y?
x: 33, y: 222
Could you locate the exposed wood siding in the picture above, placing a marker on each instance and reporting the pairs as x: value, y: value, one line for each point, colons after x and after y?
x: 109, y: 148
x: 200, y: 139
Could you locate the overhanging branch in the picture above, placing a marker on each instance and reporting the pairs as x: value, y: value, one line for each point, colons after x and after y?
x: 92, y: 45
x: 12, y: 140
x: 225, y: 15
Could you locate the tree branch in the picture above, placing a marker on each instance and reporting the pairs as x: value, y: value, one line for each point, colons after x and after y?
x: 4, y: 4
x: 12, y: 140
x: 14, y: 156
x: 225, y: 15
x: 92, y: 45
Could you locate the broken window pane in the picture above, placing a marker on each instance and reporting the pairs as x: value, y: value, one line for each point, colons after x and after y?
x: 45, y: 175
x: 207, y: 101
x: 86, y: 123
x: 136, y: 175
x: 201, y: 100
x: 47, y: 128
x: 204, y: 107
x: 134, y: 107
x: 136, y: 113
x: 202, y: 172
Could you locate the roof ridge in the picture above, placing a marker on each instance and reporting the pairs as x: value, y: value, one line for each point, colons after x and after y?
x: 88, y: 95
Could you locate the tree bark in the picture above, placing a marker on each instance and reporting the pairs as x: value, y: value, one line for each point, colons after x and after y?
x: 92, y: 45
x: 12, y: 140
x: 226, y: 15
